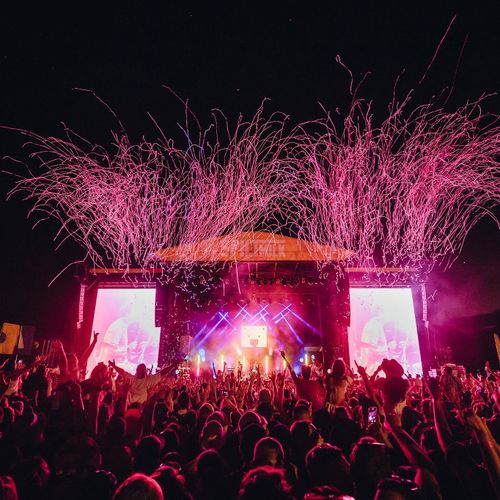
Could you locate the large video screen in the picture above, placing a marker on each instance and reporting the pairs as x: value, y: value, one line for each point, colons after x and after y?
x: 125, y: 319
x: 383, y: 326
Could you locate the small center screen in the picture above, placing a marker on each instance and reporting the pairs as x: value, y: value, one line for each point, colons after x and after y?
x: 253, y: 336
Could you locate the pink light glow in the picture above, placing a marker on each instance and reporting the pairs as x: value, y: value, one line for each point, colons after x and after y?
x: 124, y: 317
x: 383, y: 326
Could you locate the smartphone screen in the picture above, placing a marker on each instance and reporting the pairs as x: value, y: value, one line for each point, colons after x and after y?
x: 372, y: 414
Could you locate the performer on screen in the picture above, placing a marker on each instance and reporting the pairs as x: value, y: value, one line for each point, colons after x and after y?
x: 373, y: 343
x: 128, y: 340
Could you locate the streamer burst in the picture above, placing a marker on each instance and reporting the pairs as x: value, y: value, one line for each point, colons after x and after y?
x: 125, y: 204
x: 405, y: 193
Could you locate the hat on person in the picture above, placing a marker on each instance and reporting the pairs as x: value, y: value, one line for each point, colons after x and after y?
x: 392, y: 368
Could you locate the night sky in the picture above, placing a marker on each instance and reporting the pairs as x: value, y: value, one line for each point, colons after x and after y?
x: 228, y: 56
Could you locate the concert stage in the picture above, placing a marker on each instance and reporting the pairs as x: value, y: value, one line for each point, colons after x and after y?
x: 271, y: 295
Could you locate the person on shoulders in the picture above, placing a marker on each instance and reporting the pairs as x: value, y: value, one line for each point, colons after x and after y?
x: 310, y: 390
x: 140, y: 383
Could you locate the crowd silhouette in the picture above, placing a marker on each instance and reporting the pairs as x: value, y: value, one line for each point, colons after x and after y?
x: 227, y: 434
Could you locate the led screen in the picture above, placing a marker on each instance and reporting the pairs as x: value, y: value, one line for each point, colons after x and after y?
x: 125, y: 319
x: 253, y: 336
x: 383, y: 326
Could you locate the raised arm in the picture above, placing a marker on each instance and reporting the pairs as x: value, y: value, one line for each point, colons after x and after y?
x: 168, y: 368
x: 369, y: 387
x: 443, y: 430
x: 426, y: 477
x: 4, y: 384
x: 382, y: 430
x: 375, y: 373
x: 289, y: 366
x: 86, y: 354
x: 272, y: 377
x: 21, y: 371
x: 117, y: 369
x: 59, y: 349
x: 249, y: 394
x: 280, y: 383
x: 489, y: 448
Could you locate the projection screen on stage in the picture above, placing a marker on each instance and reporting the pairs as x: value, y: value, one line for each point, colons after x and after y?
x: 125, y: 319
x: 383, y: 325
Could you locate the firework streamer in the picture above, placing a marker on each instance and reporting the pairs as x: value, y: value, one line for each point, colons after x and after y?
x: 405, y: 193
x: 125, y: 203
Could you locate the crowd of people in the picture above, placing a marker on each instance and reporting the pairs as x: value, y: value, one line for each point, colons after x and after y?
x: 229, y: 434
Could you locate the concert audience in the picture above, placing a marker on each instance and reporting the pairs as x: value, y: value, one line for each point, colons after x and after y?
x: 242, y: 435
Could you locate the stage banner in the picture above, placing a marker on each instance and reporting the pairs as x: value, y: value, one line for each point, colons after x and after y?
x: 9, y: 336
x: 255, y: 246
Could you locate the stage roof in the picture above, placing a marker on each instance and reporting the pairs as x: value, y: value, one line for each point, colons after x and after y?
x: 256, y: 246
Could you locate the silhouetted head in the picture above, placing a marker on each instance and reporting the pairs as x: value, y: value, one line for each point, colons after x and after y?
x: 396, y: 488
x: 264, y: 482
x: 327, y: 466
x: 338, y: 368
x: 147, y: 454
x: 306, y: 372
x: 141, y: 371
x: 370, y: 463
x: 268, y: 451
x: 171, y: 482
x: 183, y: 400
x: 304, y: 437
x: 100, y: 484
x: 139, y: 486
x: 210, y: 469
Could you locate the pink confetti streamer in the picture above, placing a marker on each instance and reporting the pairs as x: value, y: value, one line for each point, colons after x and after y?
x: 405, y: 193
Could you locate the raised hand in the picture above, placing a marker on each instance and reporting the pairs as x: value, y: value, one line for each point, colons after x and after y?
x: 473, y: 421
x: 58, y: 345
x: 433, y: 386
x: 39, y: 360
x: 361, y: 369
x: 96, y: 335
